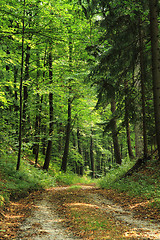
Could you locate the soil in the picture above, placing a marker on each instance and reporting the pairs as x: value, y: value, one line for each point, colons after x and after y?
x: 47, y: 215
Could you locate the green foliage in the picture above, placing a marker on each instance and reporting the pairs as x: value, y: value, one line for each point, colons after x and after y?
x: 20, y: 183
x: 144, y: 183
x: 104, y: 44
x: 114, y: 174
x: 74, y: 187
x: 71, y: 178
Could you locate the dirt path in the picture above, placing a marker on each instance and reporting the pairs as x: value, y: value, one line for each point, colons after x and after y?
x: 50, y: 216
x: 44, y: 223
x: 149, y: 229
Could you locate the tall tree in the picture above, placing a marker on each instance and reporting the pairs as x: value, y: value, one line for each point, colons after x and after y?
x: 142, y: 71
x: 130, y: 152
x: 68, y: 126
x: 20, y: 89
x: 92, y: 156
x: 154, y: 32
x: 114, y: 132
x: 49, y: 146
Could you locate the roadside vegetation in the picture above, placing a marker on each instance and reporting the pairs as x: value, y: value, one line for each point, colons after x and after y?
x: 143, y: 183
x: 19, y: 184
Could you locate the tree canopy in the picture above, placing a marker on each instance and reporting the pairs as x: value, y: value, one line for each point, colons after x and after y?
x: 80, y: 82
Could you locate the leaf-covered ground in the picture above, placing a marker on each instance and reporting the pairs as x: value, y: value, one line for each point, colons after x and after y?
x: 87, y: 212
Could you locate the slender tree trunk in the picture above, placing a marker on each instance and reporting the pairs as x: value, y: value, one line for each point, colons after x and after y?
x: 92, y: 156
x: 43, y: 128
x: 80, y: 151
x: 38, y: 115
x: 15, y: 89
x: 154, y: 31
x: 138, y: 140
x: 25, y: 90
x: 68, y: 128
x: 20, y: 90
x: 16, y: 107
x: 114, y: 134
x: 76, y: 167
x: 49, y: 146
x: 142, y: 68
x: 130, y: 152
x: 66, y: 148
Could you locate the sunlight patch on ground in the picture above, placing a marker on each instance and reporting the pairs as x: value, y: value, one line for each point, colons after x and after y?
x: 145, y: 234
x: 143, y: 204
x: 83, y: 204
x: 13, y: 216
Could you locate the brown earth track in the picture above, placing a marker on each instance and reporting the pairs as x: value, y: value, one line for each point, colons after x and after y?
x: 127, y: 218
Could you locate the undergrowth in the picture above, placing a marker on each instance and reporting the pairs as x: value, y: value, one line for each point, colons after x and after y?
x: 144, y: 183
x: 71, y: 178
x: 17, y: 184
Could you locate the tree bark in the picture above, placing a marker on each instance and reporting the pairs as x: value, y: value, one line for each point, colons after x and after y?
x: 80, y: 151
x: 138, y: 139
x: 142, y: 69
x: 25, y: 90
x: 49, y: 146
x: 66, y: 148
x: 114, y: 134
x: 130, y: 152
x: 68, y: 128
x: 20, y: 90
x: 92, y: 156
x: 38, y: 115
x: 154, y: 31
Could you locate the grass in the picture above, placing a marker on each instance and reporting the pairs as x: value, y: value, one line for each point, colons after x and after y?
x: 71, y: 178
x: 16, y: 184
x: 144, y: 183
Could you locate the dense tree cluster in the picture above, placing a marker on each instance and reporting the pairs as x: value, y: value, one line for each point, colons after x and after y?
x: 77, y: 79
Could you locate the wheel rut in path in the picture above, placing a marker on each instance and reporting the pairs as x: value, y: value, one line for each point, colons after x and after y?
x: 146, y: 228
x: 44, y: 223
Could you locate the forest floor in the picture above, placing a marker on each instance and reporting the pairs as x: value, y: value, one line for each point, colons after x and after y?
x: 79, y: 212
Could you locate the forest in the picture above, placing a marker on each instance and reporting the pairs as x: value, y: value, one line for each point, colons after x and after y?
x: 80, y: 82
x: 80, y: 100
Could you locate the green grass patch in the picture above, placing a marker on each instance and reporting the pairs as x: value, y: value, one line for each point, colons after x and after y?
x: 144, y: 183
x: 74, y: 187
x: 71, y: 178
x: 16, y: 184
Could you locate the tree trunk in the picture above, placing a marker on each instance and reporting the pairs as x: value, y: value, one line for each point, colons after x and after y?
x: 138, y: 139
x: 49, y: 146
x: 43, y: 128
x: 16, y: 107
x: 154, y: 31
x: 25, y: 90
x: 68, y: 128
x: 130, y: 152
x: 92, y: 157
x: 38, y: 115
x: 142, y: 68
x: 20, y: 90
x: 15, y: 89
x: 114, y: 134
x: 66, y: 148
x: 80, y: 151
